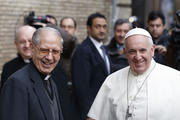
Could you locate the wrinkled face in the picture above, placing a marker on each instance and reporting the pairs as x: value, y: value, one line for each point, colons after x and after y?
x: 98, y: 30
x: 23, y: 42
x: 120, y: 32
x: 47, y: 53
x: 156, y: 28
x: 68, y: 26
x: 139, y: 53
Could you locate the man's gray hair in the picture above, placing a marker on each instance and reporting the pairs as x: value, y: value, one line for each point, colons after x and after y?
x: 121, y: 21
x: 26, y: 28
x: 36, y: 35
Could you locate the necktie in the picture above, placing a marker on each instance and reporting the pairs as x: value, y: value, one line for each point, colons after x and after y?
x: 105, y: 58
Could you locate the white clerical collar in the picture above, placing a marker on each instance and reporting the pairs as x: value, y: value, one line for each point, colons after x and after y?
x: 152, y: 65
x: 26, y: 60
x: 47, y: 77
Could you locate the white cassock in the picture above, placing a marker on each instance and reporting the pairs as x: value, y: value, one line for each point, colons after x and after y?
x: 153, y: 95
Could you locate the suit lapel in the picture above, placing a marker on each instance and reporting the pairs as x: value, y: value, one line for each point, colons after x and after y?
x: 98, y: 56
x: 40, y: 92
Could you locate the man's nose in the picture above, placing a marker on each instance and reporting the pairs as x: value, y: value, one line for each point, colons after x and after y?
x: 27, y: 44
x: 154, y: 27
x: 123, y: 34
x: 49, y: 55
x: 102, y: 29
x: 138, y: 56
x: 66, y: 29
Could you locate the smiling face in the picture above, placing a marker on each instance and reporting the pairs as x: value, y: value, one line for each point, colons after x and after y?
x: 46, y: 53
x: 139, y: 53
x: 24, y: 40
x: 120, y: 32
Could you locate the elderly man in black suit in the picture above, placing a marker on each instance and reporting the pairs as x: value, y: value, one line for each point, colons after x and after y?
x: 90, y: 63
x: 23, y: 39
x: 30, y: 93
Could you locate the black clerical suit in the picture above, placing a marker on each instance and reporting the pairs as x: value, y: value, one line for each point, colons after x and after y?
x: 11, y: 67
x: 24, y: 97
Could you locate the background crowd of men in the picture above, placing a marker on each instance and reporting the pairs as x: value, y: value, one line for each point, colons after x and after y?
x: 54, y: 77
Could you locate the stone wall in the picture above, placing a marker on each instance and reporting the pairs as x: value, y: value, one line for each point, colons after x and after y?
x: 12, y: 13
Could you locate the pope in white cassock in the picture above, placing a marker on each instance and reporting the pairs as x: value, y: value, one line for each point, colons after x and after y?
x: 145, y: 90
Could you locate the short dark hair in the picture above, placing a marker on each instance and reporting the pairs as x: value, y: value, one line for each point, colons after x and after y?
x: 50, y: 16
x: 153, y: 15
x: 93, y: 16
x: 75, y: 24
x: 122, y: 21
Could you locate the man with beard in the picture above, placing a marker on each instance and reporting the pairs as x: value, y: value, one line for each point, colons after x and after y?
x: 90, y: 64
x: 115, y: 47
x: 156, y: 27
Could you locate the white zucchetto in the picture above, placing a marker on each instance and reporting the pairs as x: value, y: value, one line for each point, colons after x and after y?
x: 138, y: 31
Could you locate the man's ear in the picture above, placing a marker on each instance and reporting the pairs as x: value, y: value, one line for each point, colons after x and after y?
x: 32, y: 46
x: 153, y: 49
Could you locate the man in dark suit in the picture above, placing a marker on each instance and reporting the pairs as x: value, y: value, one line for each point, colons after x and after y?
x: 90, y: 66
x: 30, y: 93
x: 23, y: 38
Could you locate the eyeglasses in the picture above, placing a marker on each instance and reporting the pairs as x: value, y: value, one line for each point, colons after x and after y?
x: 45, y: 52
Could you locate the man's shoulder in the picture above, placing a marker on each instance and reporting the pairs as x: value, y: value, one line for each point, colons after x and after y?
x: 21, y: 74
x: 85, y: 42
x: 85, y: 46
x: 166, y: 69
x: 12, y: 62
x: 19, y: 78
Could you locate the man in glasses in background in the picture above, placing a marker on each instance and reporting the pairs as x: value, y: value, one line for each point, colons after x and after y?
x: 69, y: 25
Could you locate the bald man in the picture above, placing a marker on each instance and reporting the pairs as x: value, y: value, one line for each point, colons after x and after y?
x: 145, y: 90
x: 23, y: 38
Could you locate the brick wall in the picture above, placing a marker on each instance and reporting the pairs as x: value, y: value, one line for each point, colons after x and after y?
x: 12, y: 13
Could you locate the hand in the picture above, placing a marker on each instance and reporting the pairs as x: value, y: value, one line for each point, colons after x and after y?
x: 161, y: 49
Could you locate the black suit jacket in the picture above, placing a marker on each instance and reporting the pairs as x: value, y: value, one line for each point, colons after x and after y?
x: 23, y: 97
x: 88, y: 74
x: 11, y: 67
